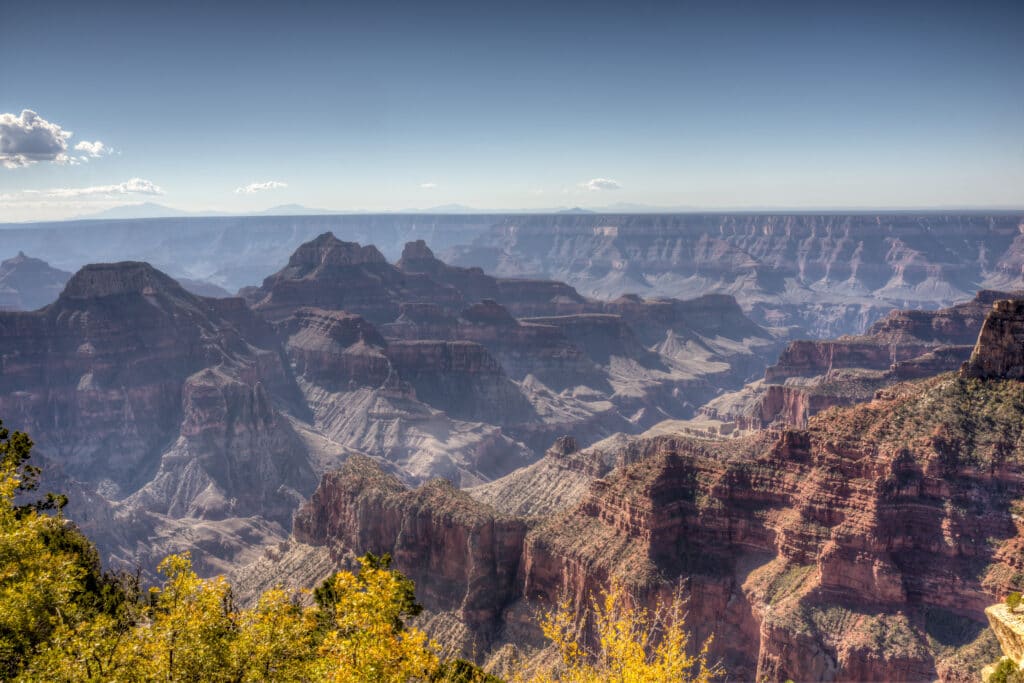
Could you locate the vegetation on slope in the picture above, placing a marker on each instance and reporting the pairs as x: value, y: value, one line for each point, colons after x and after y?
x: 968, y: 422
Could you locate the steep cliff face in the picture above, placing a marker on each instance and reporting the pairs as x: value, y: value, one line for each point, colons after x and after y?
x: 409, y: 402
x: 1000, y: 348
x: 96, y: 377
x: 471, y: 282
x: 335, y: 349
x: 462, y: 554
x: 28, y: 283
x: 236, y: 456
x: 462, y: 379
x: 825, y: 274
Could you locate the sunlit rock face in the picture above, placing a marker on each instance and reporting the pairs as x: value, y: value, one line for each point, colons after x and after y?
x: 868, y: 545
x: 999, y: 352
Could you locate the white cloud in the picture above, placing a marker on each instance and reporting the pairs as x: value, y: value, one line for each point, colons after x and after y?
x: 133, y: 186
x: 428, y: 186
x: 29, y: 138
x: 598, y: 184
x: 252, y: 188
x: 64, y: 202
x: 92, y: 149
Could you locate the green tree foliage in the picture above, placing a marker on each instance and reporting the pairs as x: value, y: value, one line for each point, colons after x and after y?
x: 1013, y: 601
x: 326, y: 596
x: 50, y: 577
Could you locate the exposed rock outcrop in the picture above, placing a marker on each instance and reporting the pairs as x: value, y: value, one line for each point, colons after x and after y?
x: 1008, y: 626
x: 462, y: 554
x: 999, y: 352
x: 332, y: 274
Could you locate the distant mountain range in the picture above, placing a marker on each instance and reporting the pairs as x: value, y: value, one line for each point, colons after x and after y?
x: 154, y: 210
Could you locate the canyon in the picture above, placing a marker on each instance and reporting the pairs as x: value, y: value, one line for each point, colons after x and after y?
x: 866, y: 546
x: 817, y: 440
x: 822, y: 274
x: 177, y: 421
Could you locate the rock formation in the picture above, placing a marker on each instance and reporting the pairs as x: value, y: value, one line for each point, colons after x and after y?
x: 457, y: 550
x: 157, y: 406
x: 584, y: 367
x: 28, y: 283
x: 1000, y: 348
x: 812, y: 375
x: 164, y: 411
x: 864, y: 547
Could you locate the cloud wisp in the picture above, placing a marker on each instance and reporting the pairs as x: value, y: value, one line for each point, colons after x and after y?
x: 133, y: 186
x: 599, y: 184
x: 428, y: 186
x: 253, y: 188
x: 92, y: 150
x: 28, y: 138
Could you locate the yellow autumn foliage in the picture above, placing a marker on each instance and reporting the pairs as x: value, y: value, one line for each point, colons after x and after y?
x: 633, y: 645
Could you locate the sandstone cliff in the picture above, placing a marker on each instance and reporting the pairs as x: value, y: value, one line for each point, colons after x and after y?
x: 1000, y: 348
x: 462, y: 554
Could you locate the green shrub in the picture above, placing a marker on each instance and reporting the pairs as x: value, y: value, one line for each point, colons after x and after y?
x: 1006, y: 672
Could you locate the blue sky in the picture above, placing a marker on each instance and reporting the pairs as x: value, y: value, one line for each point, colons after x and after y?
x: 394, y: 105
